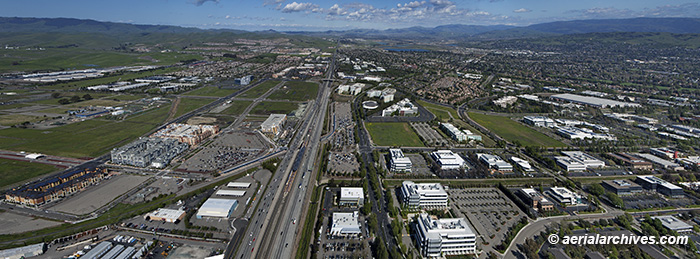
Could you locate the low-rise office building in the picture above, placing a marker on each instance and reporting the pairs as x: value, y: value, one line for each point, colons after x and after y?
x: 539, y: 121
x: 565, y: 196
x: 447, y: 160
x: 659, y: 185
x: 447, y: 236
x: 663, y: 163
x: 351, y: 196
x: 424, y: 195
x: 675, y: 224
x: 536, y: 200
x: 345, y: 224
x: 399, y: 162
x: 166, y: 215
x: 495, y: 162
x: 622, y: 187
x: 273, y: 124
x: 632, y: 160
x: 578, y: 161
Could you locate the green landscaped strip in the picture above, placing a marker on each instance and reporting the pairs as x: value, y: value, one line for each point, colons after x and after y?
x: 14, y: 171
x: 514, y: 131
x: 393, y: 134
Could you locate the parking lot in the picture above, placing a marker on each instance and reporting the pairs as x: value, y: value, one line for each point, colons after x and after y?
x: 419, y: 166
x: 654, y: 200
x: 227, y: 150
x: 430, y: 136
x: 343, y: 138
x: 488, y: 210
x: 340, y: 247
x: 342, y: 162
x: 97, y: 196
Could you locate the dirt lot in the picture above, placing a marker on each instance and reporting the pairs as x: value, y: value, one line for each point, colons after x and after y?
x: 11, y: 223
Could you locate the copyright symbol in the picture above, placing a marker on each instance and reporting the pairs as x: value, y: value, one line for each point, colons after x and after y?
x: 553, y: 239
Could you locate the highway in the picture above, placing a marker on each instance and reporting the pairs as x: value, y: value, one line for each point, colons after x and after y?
x: 286, y: 191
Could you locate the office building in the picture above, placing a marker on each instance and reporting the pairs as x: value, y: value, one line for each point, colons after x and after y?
x: 675, y: 224
x: 593, y: 101
x: 578, y: 161
x: 494, y: 162
x: 632, y: 160
x: 622, y: 187
x: 659, y: 185
x: 351, y: 196
x: 447, y: 160
x: 399, y: 162
x: 424, y: 195
x: 564, y: 196
x: 522, y: 163
x: 539, y: 121
x: 536, y: 200
x: 273, y: 124
x: 441, y: 237
x: 345, y: 224
x: 663, y: 152
x: 187, y: 133
x: 663, y: 163
x: 401, y: 108
x: 166, y: 215
x: 453, y: 132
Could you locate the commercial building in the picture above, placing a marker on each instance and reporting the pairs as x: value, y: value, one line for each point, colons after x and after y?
x: 401, y: 108
x: 522, y: 163
x: 622, y: 187
x: 582, y: 133
x: 187, y: 133
x: 353, y: 89
x: 578, y: 161
x: 114, y: 252
x: 144, y: 152
x: 663, y: 163
x: 234, y: 193
x: 536, y: 200
x: 370, y: 105
x: 592, y: 101
x: 471, y: 135
x: 239, y: 185
x: 453, y: 132
x: 273, y: 124
x: 447, y: 160
x: 440, y: 237
x: 505, y: 101
x: 352, y: 196
x: 675, y: 224
x: 564, y: 196
x: 217, y: 208
x: 399, y: 162
x: 664, y: 152
x: 98, y: 251
x: 689, y: 161
x: 424, y: 195
x: 632, y: 160
x: 539, y: 121
x: 659, y: 185
x: 243, y: 80
x: 55, y: 187
x: 345, y: 224
x: 166, y: 215
x: 23, y: 252
x: 494, y: 162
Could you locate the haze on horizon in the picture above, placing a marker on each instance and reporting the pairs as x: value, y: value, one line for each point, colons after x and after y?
x: 315, y: 15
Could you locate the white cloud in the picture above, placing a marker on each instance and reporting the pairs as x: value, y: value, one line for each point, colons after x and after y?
x: 300, y: 7
x: 201, y: 2
x: 272, y: 2
x: 522, y: 10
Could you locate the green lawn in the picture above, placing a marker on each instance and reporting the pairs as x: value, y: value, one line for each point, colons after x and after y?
x: 189, y: 104
x: 268, y: 107
x: 260, y: 89
x: 514, y: 131
x: 88, y: 138
x: 441, y: 112
x: 237, y: 107
x: 14, y: 119
x: 393, y: 134
x: 13, y: 171
x: 211, y: 91
x: 296, y: 91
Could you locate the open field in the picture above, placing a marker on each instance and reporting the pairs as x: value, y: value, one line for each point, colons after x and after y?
x: 211, y: 91
x: 13, y: 171
x: 441, y: 113
x: 260, y: 89
x: 393, y: 134
x: 97, y: 196
x: 236, y: 107
x: 11, y: 223
x: 14, y: 119
x: 189, y: 104
x: 296, y: 91
x: 513, y: 131
x: 268, y: 107
x: 88, y: 138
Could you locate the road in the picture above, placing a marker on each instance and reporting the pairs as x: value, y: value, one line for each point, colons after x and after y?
x: 286, y: 191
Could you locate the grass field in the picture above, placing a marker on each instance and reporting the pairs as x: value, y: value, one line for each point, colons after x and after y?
x: 14, y: 119
x: 211, y: 91
x: 296, y: 91
x: 13, y: 171
x: 260, y: 89
x: 443, y: 114
x: 237, y: 107
x: 268, y: 107
x: 189, y: 104
x: 514, y: 131
x: 88, y: 138
x: 393, y: 134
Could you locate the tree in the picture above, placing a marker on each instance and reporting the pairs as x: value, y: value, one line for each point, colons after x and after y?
x: 74, y: 99
x: 55, y: 95
x: 63, y: 101
x: 596, y: 189
x: 87, y: 97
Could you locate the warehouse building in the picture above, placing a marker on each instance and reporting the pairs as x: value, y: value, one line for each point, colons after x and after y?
x: 166, y: 215
x: 592, y: 101
x: 144, y: 152
x: 345, y: 224
x: 539, y: 121
x: 443, y: 237
x: 654, y: 183
x: 23, y: 252
x: 536, y: 200
x: 578, y: 161
x: 234, y: 193
x: 622, y: 187
x: 447, y: 160
x: 663, y: 163
x: 238, y: 185
x: 494, y: 162
x: 351, y: 196
x: 632, y: 160
x: 187, y: 133
x: 55, y: 187
x: 424, y: 195
x: 98, y: 251
x: 273, y: 124
x: 565, y: 196
x: 399, y: 162
x: 664, y: 152
x: 217, y: 208
x: 675, y: 224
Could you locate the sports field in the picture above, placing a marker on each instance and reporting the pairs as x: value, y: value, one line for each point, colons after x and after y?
x: 295, y: 91
x: 513, y: 131
x: 393, y: 134
x: 13, y: 171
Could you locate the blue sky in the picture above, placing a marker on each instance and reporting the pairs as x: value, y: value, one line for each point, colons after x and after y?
x: 285, y: 15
